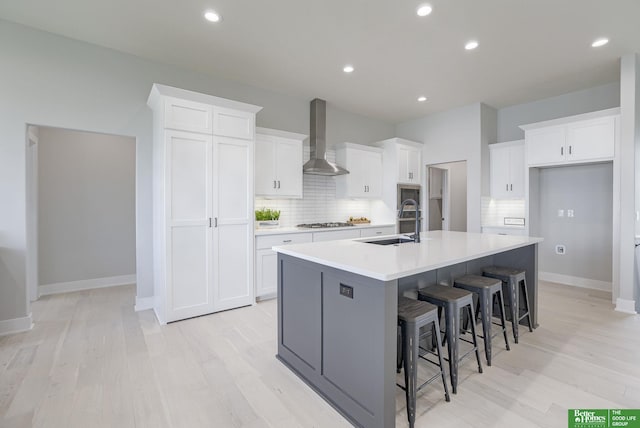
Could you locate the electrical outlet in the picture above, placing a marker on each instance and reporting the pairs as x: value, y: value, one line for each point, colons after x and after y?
x: 569, y: 213
x: 560, y: 213
x: 561, y: 249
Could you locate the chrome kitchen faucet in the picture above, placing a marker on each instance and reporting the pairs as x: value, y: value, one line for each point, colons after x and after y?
x: 416, y: 235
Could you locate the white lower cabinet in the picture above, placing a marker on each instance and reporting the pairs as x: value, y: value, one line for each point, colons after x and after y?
x: 266, y: 270
x: 267, y: 261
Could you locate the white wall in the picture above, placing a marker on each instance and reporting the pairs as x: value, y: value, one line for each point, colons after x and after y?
x: 592, y: 99
x: 54, y: 81
x: 86, y: 206
x: 451, y: 136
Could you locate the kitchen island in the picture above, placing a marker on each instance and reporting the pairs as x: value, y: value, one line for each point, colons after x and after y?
x: 337, y: 308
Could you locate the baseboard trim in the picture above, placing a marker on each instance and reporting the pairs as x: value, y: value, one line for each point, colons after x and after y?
x: 16, y: 325
x: 576, y: 281
x: 86, y: 284
x: 626, y: 306
x: 143, y: 303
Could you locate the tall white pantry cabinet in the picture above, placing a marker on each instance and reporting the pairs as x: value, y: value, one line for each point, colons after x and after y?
x: 203, y: 163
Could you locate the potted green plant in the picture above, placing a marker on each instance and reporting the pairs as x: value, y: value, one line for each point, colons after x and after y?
x: 267, y: 218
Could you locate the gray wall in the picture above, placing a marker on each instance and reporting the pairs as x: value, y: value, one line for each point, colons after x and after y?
x: 585, y: 101
x: 588, y: 190
x: 86, y: 205
x: 54, y: 81
x: 451, y: 136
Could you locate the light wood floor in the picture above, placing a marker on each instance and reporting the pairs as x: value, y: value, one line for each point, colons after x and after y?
x: 91, y: 361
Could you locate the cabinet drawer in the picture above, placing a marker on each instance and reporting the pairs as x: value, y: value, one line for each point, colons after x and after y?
x: 335, y: 235
x: 377, y: 231
x: 188, y: 116
x: 233, y: 123
x: 268, y: 241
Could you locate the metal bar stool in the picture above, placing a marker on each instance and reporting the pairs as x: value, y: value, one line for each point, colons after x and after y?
x: 454, y: 301
x: 488, y: 290
x: 513, y: 280
x: 412, y: 316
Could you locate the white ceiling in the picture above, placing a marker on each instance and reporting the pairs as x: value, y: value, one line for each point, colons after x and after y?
x: 529, y: 49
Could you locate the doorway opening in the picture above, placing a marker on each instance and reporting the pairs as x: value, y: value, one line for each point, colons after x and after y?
x: 80, y: 191
x: 447, y: 196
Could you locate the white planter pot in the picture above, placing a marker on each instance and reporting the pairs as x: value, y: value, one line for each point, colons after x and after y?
x: 267, y: 224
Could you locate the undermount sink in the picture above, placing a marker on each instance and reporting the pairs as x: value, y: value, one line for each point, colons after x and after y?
x: 390, y: 241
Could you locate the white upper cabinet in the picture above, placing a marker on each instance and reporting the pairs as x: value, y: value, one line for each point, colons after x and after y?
x: 233, y: 123
x: 279, y: 163
x: 584, y: 138
x: 405, y: 157
x: 185, y: 115
x: 364, y: 164
x: 507, y: 170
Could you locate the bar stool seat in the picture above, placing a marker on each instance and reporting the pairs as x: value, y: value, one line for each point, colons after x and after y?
x: 514, y: 282
x: 487, y: 289
x: 412, y: 316
x: 453, y: 301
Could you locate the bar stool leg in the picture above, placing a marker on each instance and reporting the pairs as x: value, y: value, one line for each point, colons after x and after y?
x: 526, y: 302
x: 475, y: 338
x: 436, y: 333
x: 412, y: 337
x: 486, y: 309
x: 513, y: 307
x: 502, y: 319
x: 452, y: 321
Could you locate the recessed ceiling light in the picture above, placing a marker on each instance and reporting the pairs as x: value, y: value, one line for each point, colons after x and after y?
x: 212, y: 16
x: 471, y: 45
x: 424, y: 10
x: 600, y: 42
x: 348, y: 69
x: 422, y: 99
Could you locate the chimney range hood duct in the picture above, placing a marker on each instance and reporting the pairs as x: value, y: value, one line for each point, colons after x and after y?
x: 318, y: 164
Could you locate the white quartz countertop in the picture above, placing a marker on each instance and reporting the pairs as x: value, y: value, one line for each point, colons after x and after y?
x: 388, y: 262
x: 283, y: 230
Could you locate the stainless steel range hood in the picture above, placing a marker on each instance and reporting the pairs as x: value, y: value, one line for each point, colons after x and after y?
x: 318, y: 164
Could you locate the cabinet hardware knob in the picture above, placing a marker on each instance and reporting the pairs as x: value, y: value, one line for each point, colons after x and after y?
x: 209, y: 221
x: 507, y: 187
x: 511, y: 188
x: 286, y: 240
x: 215, y: 224
x: 562, y: 150
x: 278, y: 184
x: 274, y: 184
x: 569, y: 149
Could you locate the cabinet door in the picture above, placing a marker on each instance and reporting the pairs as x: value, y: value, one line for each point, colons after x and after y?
x: 499, y: 171
x: 516, y: 171
x: 372, y: 163
x: 403, y: 165
x: 414, y: 165
x: 266, y: 272
x: 289, y: 169
x: 187, y: 116
x: 189, y: 206
x: 233, y: 236
x: 591, y: 139
x: 266, y: 181
x: 233, y: 123
x: 546, y: 146
x: 334, y: 235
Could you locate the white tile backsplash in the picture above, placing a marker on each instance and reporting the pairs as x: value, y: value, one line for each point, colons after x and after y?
x: 495, y: 210
x: 319, y: 201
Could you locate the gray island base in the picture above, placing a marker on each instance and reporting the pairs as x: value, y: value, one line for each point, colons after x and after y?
x: 337, y: 329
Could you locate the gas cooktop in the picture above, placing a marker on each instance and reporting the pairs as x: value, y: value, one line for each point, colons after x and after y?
x: 323, y: 225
